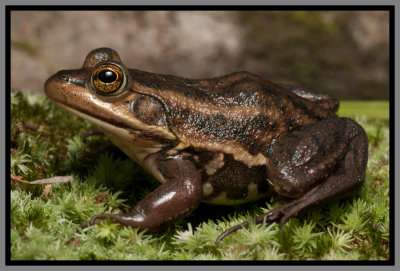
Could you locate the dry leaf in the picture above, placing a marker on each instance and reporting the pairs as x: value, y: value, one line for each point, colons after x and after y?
x: 16, y: 178
x: 100, y: 198
x: 74, y: 242
x: 57, y: 179
x: 47, y: 191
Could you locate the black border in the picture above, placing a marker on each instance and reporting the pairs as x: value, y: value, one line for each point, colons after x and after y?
x: 10, y: 8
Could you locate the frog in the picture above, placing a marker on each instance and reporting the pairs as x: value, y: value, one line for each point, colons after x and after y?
x: 225, y: 140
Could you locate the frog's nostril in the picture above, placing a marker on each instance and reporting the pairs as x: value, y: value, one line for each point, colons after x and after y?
x: 64, y: 77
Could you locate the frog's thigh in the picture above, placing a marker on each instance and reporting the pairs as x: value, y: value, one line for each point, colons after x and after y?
x: 181, y: 192
x: 305, y: 158
x: 345, y: 180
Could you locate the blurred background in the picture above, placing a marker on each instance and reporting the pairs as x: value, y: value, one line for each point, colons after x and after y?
x: 343, y: 53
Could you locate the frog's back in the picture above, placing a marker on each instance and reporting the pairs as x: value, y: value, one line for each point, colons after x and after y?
x: 238, y: 114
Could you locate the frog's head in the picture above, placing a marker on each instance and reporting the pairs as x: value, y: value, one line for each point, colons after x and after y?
x: 102, y: 92
x: 102, y: 73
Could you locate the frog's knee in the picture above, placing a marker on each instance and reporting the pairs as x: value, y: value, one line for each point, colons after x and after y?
x: 288, y: 187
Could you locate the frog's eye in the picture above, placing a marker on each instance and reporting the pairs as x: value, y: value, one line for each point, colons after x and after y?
x: 108, y: 78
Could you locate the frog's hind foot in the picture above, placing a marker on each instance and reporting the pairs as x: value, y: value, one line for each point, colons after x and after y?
x: 266, y: 219
x: 284, y: 212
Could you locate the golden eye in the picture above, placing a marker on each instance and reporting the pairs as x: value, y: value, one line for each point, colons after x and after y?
x: 108, y: 78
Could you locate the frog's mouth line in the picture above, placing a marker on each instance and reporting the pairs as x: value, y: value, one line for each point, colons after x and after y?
x: 112, y: 125
x: 107, y: 123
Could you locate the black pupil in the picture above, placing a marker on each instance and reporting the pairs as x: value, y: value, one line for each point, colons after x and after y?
x: 107, y: 76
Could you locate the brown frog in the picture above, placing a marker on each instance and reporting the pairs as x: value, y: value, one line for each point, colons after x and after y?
x: 225, y: 140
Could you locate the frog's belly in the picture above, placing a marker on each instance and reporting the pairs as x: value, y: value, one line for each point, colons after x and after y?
x: 235, y: 183
x: 223, y: 198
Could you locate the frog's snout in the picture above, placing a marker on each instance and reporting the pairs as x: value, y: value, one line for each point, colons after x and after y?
x: 50, y: 84
x: 65, y: 79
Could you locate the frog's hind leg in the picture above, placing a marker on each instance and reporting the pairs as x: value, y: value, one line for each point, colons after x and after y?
x: 303, y: 179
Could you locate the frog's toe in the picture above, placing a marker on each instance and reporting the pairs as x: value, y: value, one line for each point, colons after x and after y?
x: 244, y: 225
x: 84, y: 225
x: 102, y: 217
x: 267, y: 219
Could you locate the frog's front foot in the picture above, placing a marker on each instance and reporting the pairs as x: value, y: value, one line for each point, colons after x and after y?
x: 102, y: 148
x: 91, y: 133
x: 181, y: 193
x: 114, y: 217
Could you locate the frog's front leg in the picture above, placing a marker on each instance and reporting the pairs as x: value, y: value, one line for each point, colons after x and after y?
x: 325, y: 161
x: 181, y: 192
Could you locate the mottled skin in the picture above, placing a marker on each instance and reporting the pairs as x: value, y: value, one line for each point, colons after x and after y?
x: 225, y: 140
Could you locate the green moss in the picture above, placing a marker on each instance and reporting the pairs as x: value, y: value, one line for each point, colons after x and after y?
x: 46, y: 141
x: 372, y: 109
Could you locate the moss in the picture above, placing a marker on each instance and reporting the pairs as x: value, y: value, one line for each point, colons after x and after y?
x: 46, y: 141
